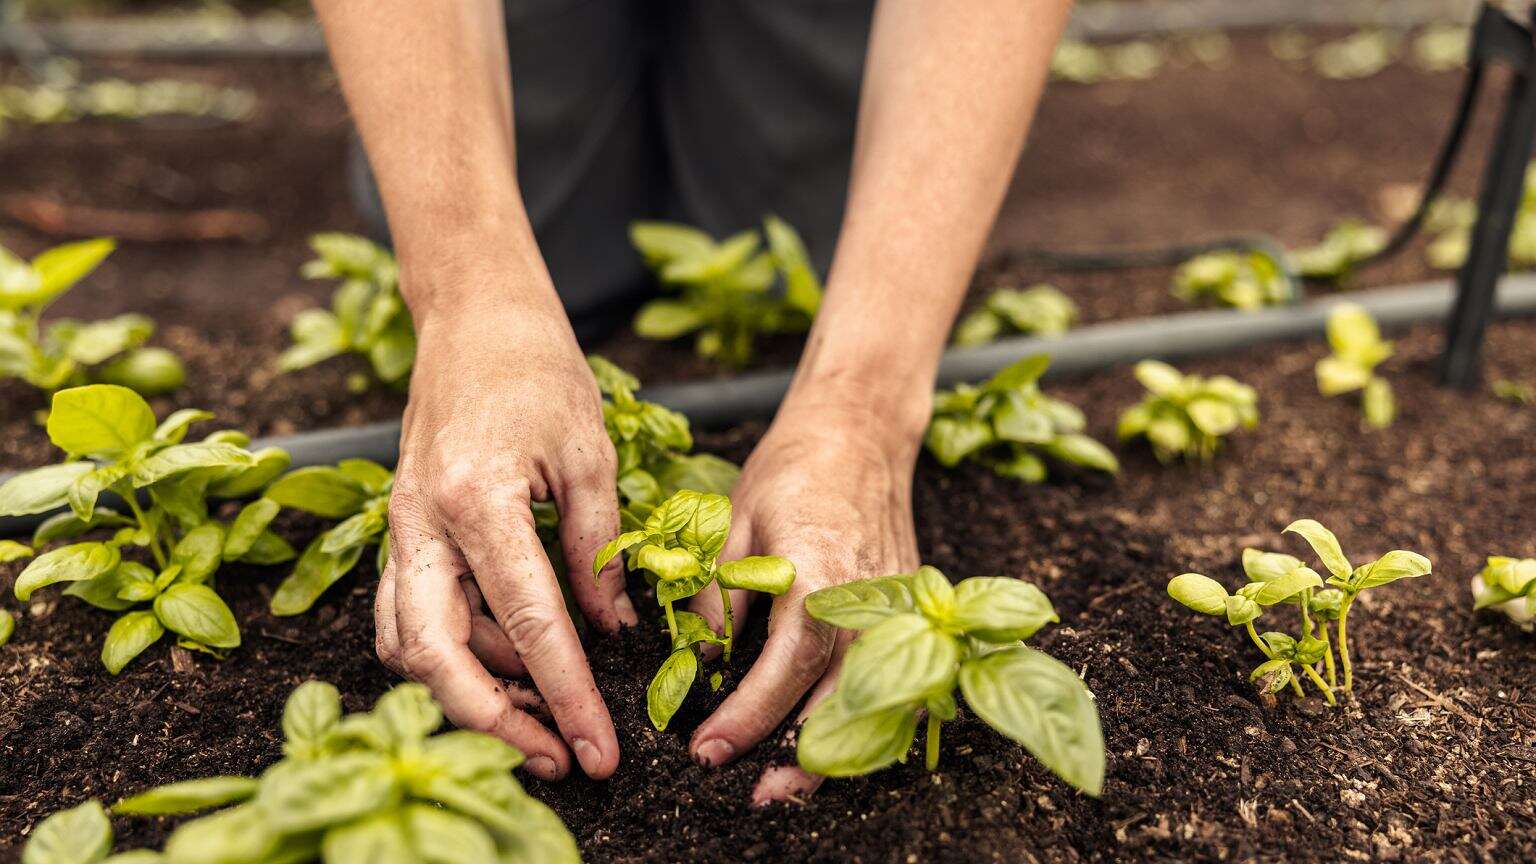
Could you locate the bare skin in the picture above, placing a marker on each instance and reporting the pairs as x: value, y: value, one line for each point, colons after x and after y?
x: 503, y: 411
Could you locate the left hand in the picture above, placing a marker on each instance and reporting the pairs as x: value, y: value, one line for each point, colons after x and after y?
x: 830, y: 488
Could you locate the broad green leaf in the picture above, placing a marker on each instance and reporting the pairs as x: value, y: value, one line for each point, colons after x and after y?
x: 96, y: 341
x: 248, y: 526
x: 897, y: 662
x: 769, y: 574
x: 80, y: 835
x: 174, y: 427
x: 443, y: 837
x: 73, y: 563
x: 463, y: 754
x: 409, y: 713
x: 932, y: 594
x: 61, y: 267
x: 1039, y: 702
x: 7, y: 626
x: 318, y: 336
x: 708, y: 525
x: 1200, y: 593
x: 613, y: 547
x: 541, y: 838
x: 1023, y: 466
x: 1081, y: 450
x: 271, y: 549
x: 1020, y: 374
x: 1324, y: 543
x: 1015, y: 421
x: 377, y: 838
x: 188, y: 796
x: 64, y: 526
x: 1241, y: 609
x: 1283, y: 645
x: 393, y: 355
x: 1336, y: 375
x: 680, y: 589
x: 104, y: 592
x: 701, y: 472
x: 835, y: 742
x: 692, y: 629
x: 312, y: 710
x: 239, y: 835
x: 661, y: 242
x: 146, y: 371
x: 375, y: 478
x: 199, y: 552
x: 860, y: 605
x: 667, y: 319
x: 670, y: 686
x: 610, y: 376
x: 978, y: 328
x: 88, y: 487
x: 1378, y: 404
x: 1285, y: 587
x: 42, y: 489
x: 1261, y: 566
x: 1213, y: 416
x: 315, y: 572
x: 1158, y: 377
x: 99, y: 420
x: 304, y: 796
x: 239, y: 483
x: 639, y: 485
x: 1272, y: 676
x: 135, y: 856
x: 355, y: 530
x: 196, y: 612
x: 952, y: 439
x: 13, y: 550
x: 323, y: 491
x: 997, y: 609
x: 1352, y: 332
x: 181, y: 458
x: 1395, y: 565
x: 669, y: 565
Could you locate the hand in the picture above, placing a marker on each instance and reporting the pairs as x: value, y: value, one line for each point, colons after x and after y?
x: 829, y: 488
x: 503, y: 412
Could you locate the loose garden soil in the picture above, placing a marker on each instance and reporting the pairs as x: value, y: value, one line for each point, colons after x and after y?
x: 1431, y: 761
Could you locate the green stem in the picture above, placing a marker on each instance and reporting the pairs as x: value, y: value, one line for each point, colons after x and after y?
x: 671, y: 622
x: 728, y: 625
x: 933, y: 741
x: 1321, y: 684
x: 1306, y: 620
x: 147, y: 527
x: 1333, y: 678
x: 1254, y: 635
x: 1349, y: 672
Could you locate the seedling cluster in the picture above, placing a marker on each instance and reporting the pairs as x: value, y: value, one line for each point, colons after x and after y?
x: 157, y: 569
x: 355, y: 491
x: 726, y: 290
x: 1357, y: 350
x: 1334, y: 258
x: 679, y: 548
x: 1040, y: 310
x: 367, y: 315
x: 1509, y: 585
x: 1241, y: 280
x: 1278, y: 579
x: 922, y: 638
x: 1453, y: 219
x: 375, y: 786
x: 66, y: 352
x: 1187, y: 415
x: 1008, y: 425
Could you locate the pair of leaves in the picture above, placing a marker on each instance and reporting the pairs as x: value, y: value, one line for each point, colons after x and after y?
x: 355, y: 491
x: 1241, y: 280
x: 1187, y: 415
x: 1039, y: 310
x: 1395, y: 565
x: 1357, y: 350
x: 367, y: 316
x: 1334, y: 258
x: 1502, y: 582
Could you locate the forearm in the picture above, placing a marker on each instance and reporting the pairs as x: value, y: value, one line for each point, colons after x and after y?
x: 949, y: 91
x: 429, y: 87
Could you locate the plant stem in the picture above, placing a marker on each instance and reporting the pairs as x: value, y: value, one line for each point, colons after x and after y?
x: 671, y: 622
x: 1253, y: 634
x: 728, y: 625
x: 934, y: 723
x: 147, y: 527
x: 1333, y: 679
x: 1349, y: 672
x: 1321, y: 684
x: 1306, y: 620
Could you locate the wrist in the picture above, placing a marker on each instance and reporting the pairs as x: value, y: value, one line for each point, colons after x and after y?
x: 892, y: 415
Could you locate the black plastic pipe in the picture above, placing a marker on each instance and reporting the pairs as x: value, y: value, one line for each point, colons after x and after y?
x: 754, y: 396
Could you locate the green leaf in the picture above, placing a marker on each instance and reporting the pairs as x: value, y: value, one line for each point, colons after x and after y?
x: 355, y: 530
x: 613, y: 547
x: 898, y: 661
x: 311, y: 712
x: 7, y: 626
x: 65, y: 526
x: 835, y: 742
x: 378, y: 838
x: 1377, y: 403
x: 769, y: 574
x: 270, y: 549
x: 304, y: 796
x: 375, y: 478
x: 104, y: 592
x: 99, y: 420
x: 708, y: 525
x: 147, y: 371
x: 1285, y: 587
x: 1241, y: 610
x: 978, y: 328
x: 74, y: 563
x: 670, y: 686
x: 1324, y: 543
x: 12, y: 550
x: 180, y: 458
x: 96, y: 341
x: 1042, y: 704
x: 316, y: 571
x: 409, y: 713
x: 1020, y: 374
x: 463, y: 754
x: 196, y: 612
x: 1272, y: 676
x: 239, y: 835
x: 932, y: 594
x: 199, y: 552
x: 136, y: 856
x: 669, y: 565
x: 1200, y: 593
x: 1015, y: 421
x: 610, y: 376
x: 42, y: 489
x: 1158, y: 377
x: 661, y: 242
x: 189, y: 796
x: 692, y: 629
x: 1081, y: 450
x: 174, y: 427
x: 61, y: 267
x: 442, y: 837
x: 268, y: 463
x: 1336, y: 375
x: 541, y: 837
x: 88, y: 487
x: 323, y: 491
x: 860, y: 605
x: 81, y: 835
x: 1213, y: 416
x: 701, y: 472
x: 1395, y: 565
x: 996, y: 609
x: 1262, y: 566
x: 667, y: 319
x: 248, y: 526
x: 952, y: 439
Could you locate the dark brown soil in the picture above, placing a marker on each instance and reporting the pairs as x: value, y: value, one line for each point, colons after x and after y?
x: 1431, y: 762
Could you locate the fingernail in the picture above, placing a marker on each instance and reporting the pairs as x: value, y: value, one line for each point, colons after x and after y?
x: 587, y: 755
x: 714, y: 752
x: 543, y: 768
x: 626, y: 610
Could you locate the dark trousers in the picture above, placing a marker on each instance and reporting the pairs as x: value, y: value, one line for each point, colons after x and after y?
x: 713, y: 112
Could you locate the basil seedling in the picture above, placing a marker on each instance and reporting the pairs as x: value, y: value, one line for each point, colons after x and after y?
x: 1040, y: 310
x: 1187, y: 415
x: 114, y: 445
x: 1241, y: 280
x: 922, y: 638
x: 1357, y: 350
x: 377, y: 786
x: 355, y: 491
x: 1279, y: 579
x: 367, y: 314
x: 1509, y: 585
x: 679, y: 548
x: 726, y: 291
x: 66, y: 352
x: 1008, y: 425
x: 1334, y: 258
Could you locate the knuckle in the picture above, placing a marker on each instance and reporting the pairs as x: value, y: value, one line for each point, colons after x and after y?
x: 810, y: 644
x: 527, y: 626
x: 466, y: 488
x: 420, y: 659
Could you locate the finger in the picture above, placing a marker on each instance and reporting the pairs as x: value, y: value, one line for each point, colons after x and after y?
x: 433, y: 622
x: 386, y: 638
x: 589, y: 518
x: 791, y: 782
x: 494, y: 528
x: 486, y: 639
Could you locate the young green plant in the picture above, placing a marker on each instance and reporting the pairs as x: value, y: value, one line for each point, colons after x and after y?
x: 1187, y: 415
x: 726, y: 290
x: 367, y: 315
x: 376, y: 786
x: 157, y: 568
x: 1040, y: 310
x: 1357, y: 350
x: 1508, y: 585
x: 354, y: 491
x: 923, y: 638
x: 1241, y: 280
x: 66, y: 352
x: 1008, y: 425
x: 679, y: 548
x: 1334, y: 258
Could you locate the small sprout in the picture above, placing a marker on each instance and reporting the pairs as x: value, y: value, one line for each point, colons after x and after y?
x: 354, y: 491
x: 1357, y: 350
x: 157, y: 570
x: 66, y: 352
x: 923, y: 638
x: 1040, y: 310
x: 1241, y: 280
x: 367, y: 316
x: 376, y: 786
x: 1277, y: 579
x: 7, y: 626
x: 1334, y: 259
x: 1508, y: 585
x: 1187, y: 415
x: 726, y: 291
x: 1514, y: 392
x: 679, y: 548
x: 1359, y: 55
x: 1008, y: 425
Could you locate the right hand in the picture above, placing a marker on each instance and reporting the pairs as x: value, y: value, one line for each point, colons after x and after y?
x: 503, y: 411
